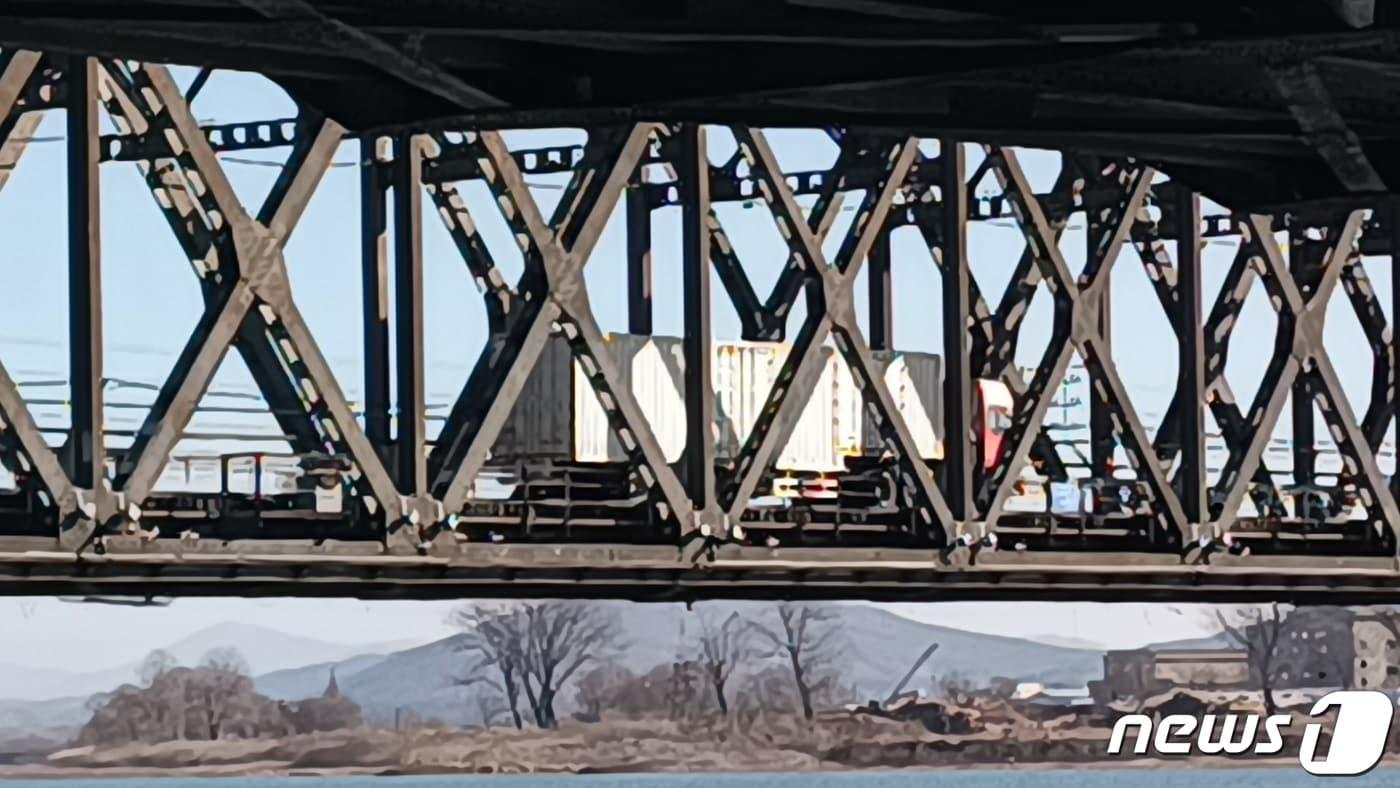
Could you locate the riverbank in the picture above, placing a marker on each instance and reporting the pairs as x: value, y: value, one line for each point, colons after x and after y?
x: 653, y: 746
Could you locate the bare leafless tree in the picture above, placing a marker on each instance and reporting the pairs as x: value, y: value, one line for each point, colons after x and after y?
x: 156, y: 664
x: 223, y: 682
x: 498, y: 639
x: 561, y: 637
x: 1258, y: 631
x: 806, y: 636
x: 537, y: 647
x: 722, y: 647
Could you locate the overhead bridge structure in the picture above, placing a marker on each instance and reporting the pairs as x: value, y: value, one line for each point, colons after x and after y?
x: 1268, y: 126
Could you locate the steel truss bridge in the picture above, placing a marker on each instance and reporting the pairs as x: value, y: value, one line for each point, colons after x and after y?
x: 1283, y: 111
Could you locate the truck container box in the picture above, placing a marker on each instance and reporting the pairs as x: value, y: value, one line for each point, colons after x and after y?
x: 558, y: 416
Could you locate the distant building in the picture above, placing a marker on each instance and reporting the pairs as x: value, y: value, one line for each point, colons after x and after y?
x: 1375, y: 655
x: 1316, y: 649
x: 1140, y: 673
x: 332, y: 711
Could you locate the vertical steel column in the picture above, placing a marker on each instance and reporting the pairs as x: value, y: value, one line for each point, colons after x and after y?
x: 639, y: 313
x: 960, y: 438
x: 1191, y: 372
x: 1101, y: 440
x: 1394, y: 222
x: 694, y: 172
x: 374, y: 260
x: 1305, y: 258
x: 881, y: 300
x: 1304, y: 433
x: 87, y: 454
x: 411, y: 461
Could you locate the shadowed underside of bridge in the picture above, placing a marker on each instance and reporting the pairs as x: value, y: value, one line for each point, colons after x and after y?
x: 1239, y: 96
x: 1284, y: 112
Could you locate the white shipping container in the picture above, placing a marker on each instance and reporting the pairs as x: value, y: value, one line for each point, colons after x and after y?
x: 559, y: 416
x: 915, y: 381
x: 744, y: 374
x: 656, y: 385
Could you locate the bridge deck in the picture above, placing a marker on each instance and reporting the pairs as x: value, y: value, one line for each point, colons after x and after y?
x: 133, y: 568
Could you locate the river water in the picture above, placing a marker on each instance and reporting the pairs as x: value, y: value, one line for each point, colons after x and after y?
x: 1008, y: 778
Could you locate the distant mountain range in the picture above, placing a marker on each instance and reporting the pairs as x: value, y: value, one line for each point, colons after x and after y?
x: 879, y: 648
x: 425, y: 680
x: 264, y: 648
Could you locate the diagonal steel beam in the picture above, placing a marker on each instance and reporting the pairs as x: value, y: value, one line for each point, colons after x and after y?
x: 1310, y: 102
x: 21, y: 129
x: 1365, y: 302
x: 359, y: 45
x: 18, y: 431
x: 753, y: 316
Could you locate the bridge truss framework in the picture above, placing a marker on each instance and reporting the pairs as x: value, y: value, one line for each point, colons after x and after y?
x: 412, y: 527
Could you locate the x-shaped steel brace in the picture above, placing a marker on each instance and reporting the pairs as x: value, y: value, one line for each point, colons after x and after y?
x: 198, y: 224
x: 994, y: 334
x: 254, y: 284
x: 767, y: 320
x: 562, y: 251
x: 1076, y: 326
x: 1299, y: 352
x: 831, y: 312
x: 496, y: 370
x: 1219, y: 397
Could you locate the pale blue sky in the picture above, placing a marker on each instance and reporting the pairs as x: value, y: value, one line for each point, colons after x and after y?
x: 151, y: 302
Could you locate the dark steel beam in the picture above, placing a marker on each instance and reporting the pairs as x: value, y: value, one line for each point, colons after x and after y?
x: 1191, y: 371
x: 694, y: 171
x: 880, y: 294
x: 961, y: 455
x: 754, y: 319
x: 352, y: 42
x: 639, y: 309
x: 1310, y: 102
x: 500, y: 297
x: 1393, y: 346
x: 87, y: 451
x: 410, y: 439
x: 374, y: 286
x: 1102, y: 442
